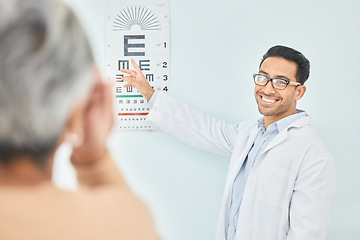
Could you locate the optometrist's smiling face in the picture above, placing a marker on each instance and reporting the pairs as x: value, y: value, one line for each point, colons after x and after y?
x: 276, y: 104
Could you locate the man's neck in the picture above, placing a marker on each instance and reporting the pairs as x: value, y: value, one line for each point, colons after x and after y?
x: 24, y: 172
x: 268, y: 120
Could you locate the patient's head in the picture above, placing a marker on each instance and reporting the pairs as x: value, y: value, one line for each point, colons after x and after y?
x: 46, y: 67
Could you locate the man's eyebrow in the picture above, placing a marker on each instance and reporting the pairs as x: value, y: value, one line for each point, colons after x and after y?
x: 277, y: 76
x: 282, y: 77
x: 261, y: 71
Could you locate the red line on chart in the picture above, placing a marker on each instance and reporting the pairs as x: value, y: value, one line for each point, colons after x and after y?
x: 132, y: 114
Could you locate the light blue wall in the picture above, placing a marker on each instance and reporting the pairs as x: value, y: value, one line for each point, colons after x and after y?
x: 215, y: 48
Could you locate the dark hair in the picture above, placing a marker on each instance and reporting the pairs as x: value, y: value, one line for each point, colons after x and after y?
x: 290, y: 54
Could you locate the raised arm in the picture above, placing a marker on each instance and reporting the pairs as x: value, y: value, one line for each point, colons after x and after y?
x: 183, y: 122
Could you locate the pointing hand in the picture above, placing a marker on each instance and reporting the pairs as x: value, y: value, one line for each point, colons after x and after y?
x: 137, y: 79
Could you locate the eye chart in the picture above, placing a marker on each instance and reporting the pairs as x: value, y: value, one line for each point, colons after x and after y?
x: 139, y: 30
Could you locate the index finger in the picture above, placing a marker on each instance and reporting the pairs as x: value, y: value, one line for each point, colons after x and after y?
x: 128, y: 71
x: 137, y: 68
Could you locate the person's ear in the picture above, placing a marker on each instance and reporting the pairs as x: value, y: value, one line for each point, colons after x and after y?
x: 74, y: 129
x: 300, y: 91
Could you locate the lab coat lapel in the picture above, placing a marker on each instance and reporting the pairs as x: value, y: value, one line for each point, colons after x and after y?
x: 284, y: 133
x: 235, y: 168
x: 277, y: 140
x: 233, y: 171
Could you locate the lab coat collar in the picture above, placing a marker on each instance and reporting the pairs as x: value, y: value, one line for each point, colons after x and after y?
x: 299, y: 123
x: 282, y: 123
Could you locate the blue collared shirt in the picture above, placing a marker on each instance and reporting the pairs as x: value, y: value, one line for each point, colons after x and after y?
x: 262, y: 140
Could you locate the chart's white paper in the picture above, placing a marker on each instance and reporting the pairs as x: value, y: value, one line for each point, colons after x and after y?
x: 139, y: 30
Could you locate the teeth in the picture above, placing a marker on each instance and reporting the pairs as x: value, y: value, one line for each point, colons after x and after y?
x: 268, y: 100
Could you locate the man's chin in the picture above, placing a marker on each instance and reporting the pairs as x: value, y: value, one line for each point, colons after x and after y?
x: 266, y: 111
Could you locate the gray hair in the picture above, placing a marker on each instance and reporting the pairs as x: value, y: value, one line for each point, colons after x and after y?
x: 46, y: 66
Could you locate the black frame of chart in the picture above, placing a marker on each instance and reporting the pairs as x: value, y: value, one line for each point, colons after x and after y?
x: 139, y: 30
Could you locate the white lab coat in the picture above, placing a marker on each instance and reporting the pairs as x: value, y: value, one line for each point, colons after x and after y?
x: 291, y: 186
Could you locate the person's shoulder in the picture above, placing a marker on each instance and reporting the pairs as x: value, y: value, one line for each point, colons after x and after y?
x: 307, y: 137
x: 122, y: 211
x: 118, y: 198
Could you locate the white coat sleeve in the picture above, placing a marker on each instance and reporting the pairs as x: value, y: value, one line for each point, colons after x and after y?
x: 312, y: 199
x: 191, y: 126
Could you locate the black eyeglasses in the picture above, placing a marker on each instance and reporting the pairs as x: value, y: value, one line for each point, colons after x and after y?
x: 277, y: 83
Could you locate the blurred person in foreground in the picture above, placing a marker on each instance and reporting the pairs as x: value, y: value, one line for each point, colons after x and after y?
x: 51, y: 92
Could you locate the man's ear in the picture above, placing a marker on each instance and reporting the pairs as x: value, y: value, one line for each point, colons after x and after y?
x: 300, y: 91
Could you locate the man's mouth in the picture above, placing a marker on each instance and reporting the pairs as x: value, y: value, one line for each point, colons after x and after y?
x: 268, y: 100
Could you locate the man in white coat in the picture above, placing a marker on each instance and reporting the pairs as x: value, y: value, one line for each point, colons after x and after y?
x: 281, y: 178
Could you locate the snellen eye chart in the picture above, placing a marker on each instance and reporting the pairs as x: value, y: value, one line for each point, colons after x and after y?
x: 139, y: 30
